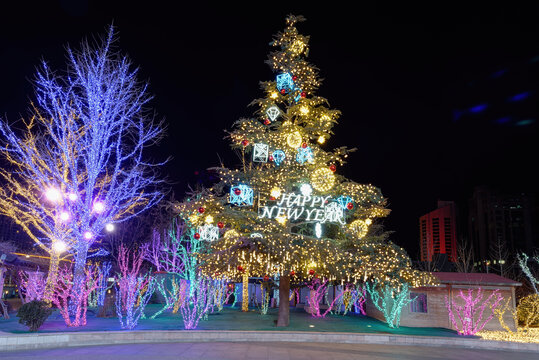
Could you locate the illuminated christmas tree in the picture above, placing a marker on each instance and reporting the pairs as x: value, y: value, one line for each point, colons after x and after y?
x: 287, y: 211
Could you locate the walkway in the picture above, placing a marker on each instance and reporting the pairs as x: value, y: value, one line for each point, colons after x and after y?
x: 263, y: 351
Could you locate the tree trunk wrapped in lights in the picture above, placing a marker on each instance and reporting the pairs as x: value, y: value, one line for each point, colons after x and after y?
x: 64, y: 295
x: 287, y: 211
x: 77, y: 165
x: 523, y: 263
x: 470, y: 309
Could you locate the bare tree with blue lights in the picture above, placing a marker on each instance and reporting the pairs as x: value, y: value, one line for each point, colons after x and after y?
x: 78, y: 164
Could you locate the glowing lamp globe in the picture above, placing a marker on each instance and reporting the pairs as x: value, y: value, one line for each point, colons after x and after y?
x: 109, y: 227
x: 88, y: 235
x: 306, y: 190
x: 59, y: 246
x: 53, y: 195
x: 99, y: 207
x: 275, y: 193
x: 64, y: 216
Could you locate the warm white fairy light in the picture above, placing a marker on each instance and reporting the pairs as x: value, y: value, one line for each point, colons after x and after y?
x: 109, y: 227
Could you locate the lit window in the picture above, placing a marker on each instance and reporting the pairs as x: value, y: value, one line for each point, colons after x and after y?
x: 419, y: 303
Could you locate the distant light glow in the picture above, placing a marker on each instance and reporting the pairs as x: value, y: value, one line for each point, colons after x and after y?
x: 478, y: 108
x: 64, y: 216
x: 503, y: 120
x: 525, y: 122
x: 88, y: 235
x: 72, y: 196
x: 109, y: 227
x: 53, y: 195
x: 519, y: 97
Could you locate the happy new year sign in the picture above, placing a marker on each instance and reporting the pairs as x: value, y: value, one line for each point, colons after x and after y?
x: 304, y: 207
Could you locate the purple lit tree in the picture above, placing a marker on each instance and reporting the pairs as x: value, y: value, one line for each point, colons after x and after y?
x: 133, y: 290
x: 317, y: 292
x: 77, y: 167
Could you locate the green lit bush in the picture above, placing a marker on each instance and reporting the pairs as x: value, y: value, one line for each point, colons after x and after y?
x: 33, y: 314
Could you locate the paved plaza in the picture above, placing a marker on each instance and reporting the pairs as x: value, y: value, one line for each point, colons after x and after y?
x: 263, y: 351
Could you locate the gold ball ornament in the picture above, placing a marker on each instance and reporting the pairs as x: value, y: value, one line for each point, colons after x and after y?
x: 323, y: 179
x: 294, y: 140
x: 360, y: 227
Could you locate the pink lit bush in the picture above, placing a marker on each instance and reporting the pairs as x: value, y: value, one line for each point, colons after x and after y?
x: 470, y: 314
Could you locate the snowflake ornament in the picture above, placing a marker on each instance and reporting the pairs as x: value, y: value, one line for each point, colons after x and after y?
x: 241, y: 195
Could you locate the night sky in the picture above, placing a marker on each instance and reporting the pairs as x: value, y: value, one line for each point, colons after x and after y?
x: 401, y: 77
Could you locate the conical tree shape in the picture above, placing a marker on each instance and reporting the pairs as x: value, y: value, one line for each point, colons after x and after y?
x: 287, y: 210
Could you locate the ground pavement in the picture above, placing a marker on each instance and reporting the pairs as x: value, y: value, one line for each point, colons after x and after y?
x: 263, y: 351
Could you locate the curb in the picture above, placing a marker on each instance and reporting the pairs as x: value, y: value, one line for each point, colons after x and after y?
x: 10, y: 342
